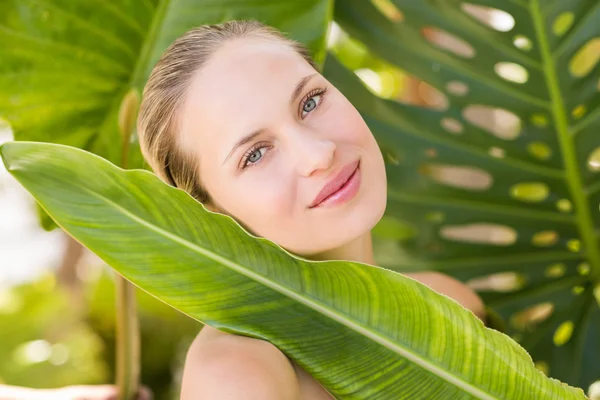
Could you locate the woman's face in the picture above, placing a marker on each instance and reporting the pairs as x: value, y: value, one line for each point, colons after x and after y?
x: 304, y: 133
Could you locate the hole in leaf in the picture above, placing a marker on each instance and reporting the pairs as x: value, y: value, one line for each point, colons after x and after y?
x: 577, y: 290
x: 564, y: 205
x: 389, y: 9
x: 563, y: 23
x: 522, y: 42
x: 371, y: 79
x: 583, y: 269
x: 555, y: 270
x: 447, y: 41
x: 563, y: 333
x: 432, y: 97
x: 532, y: 192
x: 574, y: 245
x: 431, y: 153
x: 496, y: 152
x: 594, y: 391
x: 499, y: 282
x: 469, y: 178
x: 393, y: 228
x: 457, y: 88
x: 511, y: 72
x: 435, y: 216
x: 542, y: 366
x: 452, y: 125
x: 597, y: 293
x: 579, y: 111
x: 594, y: 160
x: 585, y: 59
x: 480, y: 233
x: 539, y: 120
x: 539, y: 150
x: 545, y: 238
x: 499, y: 122
x: 492, y: 17
x: 531, y: 316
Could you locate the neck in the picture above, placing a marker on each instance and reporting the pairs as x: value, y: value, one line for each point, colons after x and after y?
x: 359, y: 250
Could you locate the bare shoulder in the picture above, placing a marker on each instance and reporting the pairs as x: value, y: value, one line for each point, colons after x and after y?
x: 453, y: 288
x: 223, y: 366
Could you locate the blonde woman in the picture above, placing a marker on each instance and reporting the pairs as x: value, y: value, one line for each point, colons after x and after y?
x: 238, y: 116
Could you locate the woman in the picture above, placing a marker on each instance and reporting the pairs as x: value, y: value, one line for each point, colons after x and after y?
x: 238, y: 116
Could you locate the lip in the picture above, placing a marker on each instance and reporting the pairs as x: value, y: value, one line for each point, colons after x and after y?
x: 338, y: 190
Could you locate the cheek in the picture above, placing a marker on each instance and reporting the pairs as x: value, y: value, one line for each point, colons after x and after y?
x: 261, y: 203
x: 344, y: 122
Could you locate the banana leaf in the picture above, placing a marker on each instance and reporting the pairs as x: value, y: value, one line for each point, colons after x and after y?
x: 364, y: 332
x: 520, y: 135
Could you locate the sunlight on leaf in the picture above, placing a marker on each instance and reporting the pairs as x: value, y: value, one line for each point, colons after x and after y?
x: 594, y: 160
x: 539, y: 150
x: 469, y: 178
x: 481, y: 233
x: 452, y: 125
x: 449, y: 42
x: 497, y: 121
x: 389, y: 9
x: 545, y: 238
x: 532, y: 192
x: 585, y: 59
x: 498, y: 282
x: 523, y: 42
x: 563, y: 333
x: 563, y: 23
x: 555, y: 270
x: 531, y: 316
x: 512, y: 72
x: 492, y: 17
x: 457, y: 88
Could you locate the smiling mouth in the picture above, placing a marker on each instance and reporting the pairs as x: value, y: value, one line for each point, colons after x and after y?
x: 345, y: 190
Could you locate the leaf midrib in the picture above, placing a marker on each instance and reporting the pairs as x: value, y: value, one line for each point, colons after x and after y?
x: 310, y: 303
x: 574, y: 180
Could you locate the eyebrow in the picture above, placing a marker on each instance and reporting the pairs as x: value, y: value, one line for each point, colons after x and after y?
x: 254, y: 134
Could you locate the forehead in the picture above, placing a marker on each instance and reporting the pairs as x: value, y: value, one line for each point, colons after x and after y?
x: 243, y: 84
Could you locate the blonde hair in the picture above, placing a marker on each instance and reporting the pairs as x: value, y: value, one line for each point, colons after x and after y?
x: 166, y: 88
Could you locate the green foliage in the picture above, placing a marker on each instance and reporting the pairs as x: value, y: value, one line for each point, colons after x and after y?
x: 504, y: 195
x: 336, y: 319
x: 43, y: 343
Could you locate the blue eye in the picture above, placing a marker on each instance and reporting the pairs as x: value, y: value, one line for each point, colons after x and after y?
x: 312, y: 101
x: 254, y: 155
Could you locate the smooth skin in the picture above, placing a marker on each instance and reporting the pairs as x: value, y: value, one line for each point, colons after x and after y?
x: 267, y: 185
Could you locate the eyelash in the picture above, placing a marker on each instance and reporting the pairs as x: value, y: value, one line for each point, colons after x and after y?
x: 258, y: 146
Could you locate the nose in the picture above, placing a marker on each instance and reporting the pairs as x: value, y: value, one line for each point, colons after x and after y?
x: 311, y: 152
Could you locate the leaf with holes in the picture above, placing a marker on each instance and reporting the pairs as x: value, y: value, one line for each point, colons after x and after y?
x: 501, y: 187
x: 73, y: 70
x: 364, y: 332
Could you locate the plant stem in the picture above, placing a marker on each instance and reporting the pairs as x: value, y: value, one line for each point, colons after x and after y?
x: 567, y: 145
x: 128, y: 343
x: 127, y: 326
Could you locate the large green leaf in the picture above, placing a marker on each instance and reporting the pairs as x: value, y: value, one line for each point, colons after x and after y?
x: 66, y: 66
x: 364, y: 332
x: 547, y: 239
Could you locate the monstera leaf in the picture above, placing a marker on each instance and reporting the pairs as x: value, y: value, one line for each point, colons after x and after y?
x: 364, y: 332
x: 72, y: 72
x: 501, y: 187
